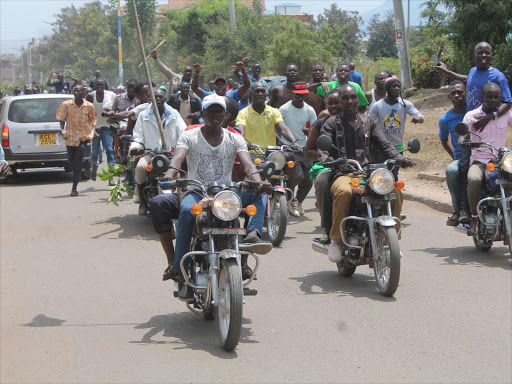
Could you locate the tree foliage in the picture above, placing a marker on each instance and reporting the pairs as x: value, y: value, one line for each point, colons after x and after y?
x: 382, y: 37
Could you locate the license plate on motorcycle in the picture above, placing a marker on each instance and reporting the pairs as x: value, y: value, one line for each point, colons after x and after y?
x: 228, y: 231
x: 47, y: 138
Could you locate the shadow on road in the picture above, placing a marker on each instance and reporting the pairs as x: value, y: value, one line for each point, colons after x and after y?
x: 190, y: 331
x: 497, y: 257
x: 39, y: 177
x: 326, y: 282
x: 41, y: 321
x: 128, y: 227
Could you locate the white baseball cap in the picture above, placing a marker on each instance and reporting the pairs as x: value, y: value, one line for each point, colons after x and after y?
x: 213, y: 99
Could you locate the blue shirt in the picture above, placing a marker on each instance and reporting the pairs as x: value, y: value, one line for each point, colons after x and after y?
x: 447, y: 124
x: 355, y: 77
x: 233, y: 94
x: 475, y: 83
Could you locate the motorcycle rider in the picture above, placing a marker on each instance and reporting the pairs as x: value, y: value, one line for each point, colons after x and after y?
x: 147, y: 134
x: 209, y: 152
x: 360, y: 139
x: 494, y: 133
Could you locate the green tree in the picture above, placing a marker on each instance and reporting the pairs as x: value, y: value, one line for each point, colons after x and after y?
x: 146, y: 10
x: 382, y: 37
x: 339, y: 31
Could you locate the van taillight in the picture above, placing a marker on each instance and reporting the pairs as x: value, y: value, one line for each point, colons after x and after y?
x: 5, y: 136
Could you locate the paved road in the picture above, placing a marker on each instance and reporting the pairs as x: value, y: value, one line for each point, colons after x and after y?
x: 82, y: 301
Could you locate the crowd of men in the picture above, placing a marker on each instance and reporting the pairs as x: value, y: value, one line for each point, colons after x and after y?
x: 208, y: 128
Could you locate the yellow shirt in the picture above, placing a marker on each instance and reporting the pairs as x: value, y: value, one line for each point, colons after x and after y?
x: 260, y: 129
x: 79, y: 121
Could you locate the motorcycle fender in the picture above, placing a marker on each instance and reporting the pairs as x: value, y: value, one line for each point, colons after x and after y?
x: 230, y: 254
x: 279, y: 189
x: 385, y: 221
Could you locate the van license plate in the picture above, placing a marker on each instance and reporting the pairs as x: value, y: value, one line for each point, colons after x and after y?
x: 47, y: 139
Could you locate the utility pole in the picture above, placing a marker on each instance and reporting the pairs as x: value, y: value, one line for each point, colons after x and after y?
x: 41, y: 73
x: 401, y: 42
x: 120, y: 42
x: 30, y: 64
x: 232, y: 16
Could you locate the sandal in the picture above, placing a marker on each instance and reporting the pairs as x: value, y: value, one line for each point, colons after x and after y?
x: 453, y: 220
x: 169, y: 274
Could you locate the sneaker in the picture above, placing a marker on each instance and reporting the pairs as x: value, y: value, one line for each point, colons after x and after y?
x: 136, y: 198
x: 301, y: 210
x: 465, y: 216
x: 186, y: 293
x: 143, y: 211
x: 73, y: 193
x: 252, y: 243
x: 294, y: 208
x: 334, y: 252
x: 453, y: 220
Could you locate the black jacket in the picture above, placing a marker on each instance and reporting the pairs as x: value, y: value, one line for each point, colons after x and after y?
x: 195, y: 105
x: 367, y: 144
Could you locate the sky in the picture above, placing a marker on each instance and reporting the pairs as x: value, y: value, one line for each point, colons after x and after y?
x: 22, y: 20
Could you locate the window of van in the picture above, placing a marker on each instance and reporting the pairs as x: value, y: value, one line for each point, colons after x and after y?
x: 34, y: 110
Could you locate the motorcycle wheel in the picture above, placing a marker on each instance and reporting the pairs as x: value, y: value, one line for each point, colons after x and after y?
x: 230, y: 304
x: 278, y: 220
x: 387, y: 267
x: 346, y: 271
x: 482, y: 246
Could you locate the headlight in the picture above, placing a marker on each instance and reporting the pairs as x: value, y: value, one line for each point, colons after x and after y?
x: 382, y: 181
x: 160, y: 163
x: 506, y: 162
x: 226, y: 205
x: 278, y: 159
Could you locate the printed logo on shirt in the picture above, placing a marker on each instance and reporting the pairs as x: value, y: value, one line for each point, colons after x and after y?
x: 210, y: 168
x: 392, y: 123
x: 474, y: 97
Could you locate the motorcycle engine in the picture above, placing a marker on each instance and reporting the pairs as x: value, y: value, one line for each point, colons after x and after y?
x: 201, y: 281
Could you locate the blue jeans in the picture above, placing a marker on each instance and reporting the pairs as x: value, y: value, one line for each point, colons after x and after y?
x: 457, y: 180
x: 108, y: 143
x: 186, y: 221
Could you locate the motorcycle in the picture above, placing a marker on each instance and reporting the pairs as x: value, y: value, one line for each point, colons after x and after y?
x: 370, y: 231
x: 160, y: 163
x: 276, y: 215
x: 494, y: 214
x: 212, y: 268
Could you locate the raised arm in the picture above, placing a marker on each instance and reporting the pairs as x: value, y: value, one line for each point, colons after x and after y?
x: 162, y: 67
x: 195, y: 81
x: 441, y: 67
x: 49, y: 82
x: 246, y: 82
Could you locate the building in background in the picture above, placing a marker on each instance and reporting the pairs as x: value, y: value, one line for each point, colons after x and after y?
x: 291, y: 10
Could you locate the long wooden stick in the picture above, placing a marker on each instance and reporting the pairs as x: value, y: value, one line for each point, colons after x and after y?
x: 156, y: 49
x: 148, y: 77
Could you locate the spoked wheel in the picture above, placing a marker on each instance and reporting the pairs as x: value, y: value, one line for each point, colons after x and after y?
x: 278, y: 220
x: 387, y: 265
x: 346, y: 271
x: 230, y: 304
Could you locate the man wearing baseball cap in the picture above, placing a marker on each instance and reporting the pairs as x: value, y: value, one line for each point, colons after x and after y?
x: 209, y: 152
x: 299, y: 116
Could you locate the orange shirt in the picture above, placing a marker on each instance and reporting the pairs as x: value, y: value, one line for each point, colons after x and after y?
x: 79, y: 121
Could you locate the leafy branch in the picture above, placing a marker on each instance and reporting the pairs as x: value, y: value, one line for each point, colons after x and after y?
x: 120, y: 186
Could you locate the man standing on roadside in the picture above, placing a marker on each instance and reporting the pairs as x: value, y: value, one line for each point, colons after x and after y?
x: 299, y: 116
x: 282, y: 94
x: 77, y: 118
x: 102, y: 101
x: 60, y: 85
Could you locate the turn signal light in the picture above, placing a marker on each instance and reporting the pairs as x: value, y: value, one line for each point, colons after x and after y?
x: 355, y: 182
x: 400, y: 185
x: 257, y: 161
x: 5, y: 136
x: 197, y: 209
x: 491, y: 167
x: 251, y: 210
x: 291, y: 164
x: 149, y: 168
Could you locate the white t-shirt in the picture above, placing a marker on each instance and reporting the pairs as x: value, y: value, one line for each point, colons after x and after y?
x: 206, y: 163
x: 108, y: 100
x: 296, y: 119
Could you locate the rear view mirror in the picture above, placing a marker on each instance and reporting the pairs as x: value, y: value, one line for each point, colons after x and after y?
x: 127, y: 139
x: 413, y: 146
x: 324, y: 143
x: 462, y: 129
x: 268, y: 170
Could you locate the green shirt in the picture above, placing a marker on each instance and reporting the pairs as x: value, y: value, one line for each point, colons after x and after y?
x: 334, y: 84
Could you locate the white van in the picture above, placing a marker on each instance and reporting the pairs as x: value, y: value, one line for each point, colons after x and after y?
x: 30, y: 131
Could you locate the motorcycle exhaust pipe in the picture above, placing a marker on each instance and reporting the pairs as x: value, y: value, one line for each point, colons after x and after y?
x: 320, y: 248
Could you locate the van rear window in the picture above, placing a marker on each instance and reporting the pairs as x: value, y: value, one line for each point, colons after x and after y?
x: 35, y: 110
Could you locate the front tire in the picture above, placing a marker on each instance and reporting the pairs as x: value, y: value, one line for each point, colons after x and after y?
x: 345, y: 271
x: 278, y: 220
x: 230, y: 305
x: 387, y: 266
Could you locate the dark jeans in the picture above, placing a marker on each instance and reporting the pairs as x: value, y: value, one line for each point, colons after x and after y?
x: 302, y: 167
x: 76, y: 159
